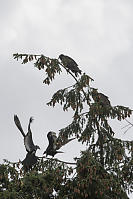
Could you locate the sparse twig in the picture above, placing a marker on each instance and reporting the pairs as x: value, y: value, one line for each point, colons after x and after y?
x: 129, y: 124
x: 127, y: 129
x: 125, y: 126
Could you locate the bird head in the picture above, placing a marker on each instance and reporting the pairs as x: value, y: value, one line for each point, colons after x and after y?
x: 31, y: 119
x: 61, y: 56
x: 37, y: 147
x: 51, y: 133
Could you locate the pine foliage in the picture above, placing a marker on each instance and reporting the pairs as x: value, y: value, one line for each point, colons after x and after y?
x: 103, y: 171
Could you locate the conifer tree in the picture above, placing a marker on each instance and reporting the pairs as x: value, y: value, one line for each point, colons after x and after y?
x: 103, y: 171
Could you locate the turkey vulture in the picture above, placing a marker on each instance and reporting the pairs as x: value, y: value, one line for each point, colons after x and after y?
x: 69, y: 63
x: 55, y: 144
x: 28, y: 142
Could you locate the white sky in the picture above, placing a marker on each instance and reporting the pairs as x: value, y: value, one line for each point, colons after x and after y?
x: 97, y: 34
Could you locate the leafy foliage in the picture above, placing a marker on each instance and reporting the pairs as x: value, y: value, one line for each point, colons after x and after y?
x: 103, y: 171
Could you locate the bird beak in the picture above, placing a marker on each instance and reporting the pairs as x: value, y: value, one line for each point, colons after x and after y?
x: 59, y: 151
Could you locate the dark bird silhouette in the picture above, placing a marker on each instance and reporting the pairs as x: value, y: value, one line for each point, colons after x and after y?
x: 31, y: 158
x: 29, y: 161
x: 55, y: 144
x: 101, y: 99
x: 28, y: 141
x: 104, y: 99
x: 69, y: 63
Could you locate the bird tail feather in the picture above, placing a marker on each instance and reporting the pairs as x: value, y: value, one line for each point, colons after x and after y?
x: 44, y: 152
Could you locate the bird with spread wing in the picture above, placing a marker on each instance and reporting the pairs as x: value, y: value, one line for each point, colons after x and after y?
x: 55, y: 143
x: 28, y: 141
x: 70, y: 64
x: 30, y: 147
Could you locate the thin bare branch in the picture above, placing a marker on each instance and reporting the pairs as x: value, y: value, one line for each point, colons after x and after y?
x: 128, y: 129
x: 129, y: 122
x: 125, y: 126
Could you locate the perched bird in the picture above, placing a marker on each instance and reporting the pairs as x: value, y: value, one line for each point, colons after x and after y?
x: 104, y: 99
x: 69, y: 63
x: 28, y: 141
x: 55, y: 144
x: 51, y: 149
x: 30, y: 159
x: 101, y: 99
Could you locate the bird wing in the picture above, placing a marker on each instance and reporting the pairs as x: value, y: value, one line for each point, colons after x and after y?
x: 51, y: 149
x: 104, y: 99
x: 70, y: 60
x: 55, y: 143
x: 28, y: 141
x: 18, y: 124
x: 52, y: 138
x: 100, y: 98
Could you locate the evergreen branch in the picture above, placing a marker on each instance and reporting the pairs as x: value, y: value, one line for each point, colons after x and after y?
x: 57, y: 160
x: 9, y: 162
x: 69, y: 72
x: 68, y: 87
x: 73, y: 77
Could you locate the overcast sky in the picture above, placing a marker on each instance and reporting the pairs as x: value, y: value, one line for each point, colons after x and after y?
x: 97, y: 34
